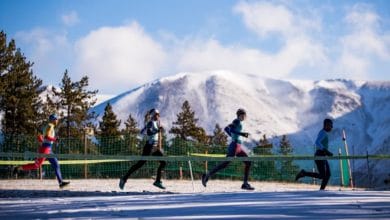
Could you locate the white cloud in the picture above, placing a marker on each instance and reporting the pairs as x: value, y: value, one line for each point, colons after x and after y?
x: 364, y: 44
x: 119, y: 57
x: 70, y: 18
x: 265, y: 18
x: 49, y: 50
x: 199, y: 55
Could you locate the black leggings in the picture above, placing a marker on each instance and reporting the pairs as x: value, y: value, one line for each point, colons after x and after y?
x: 323, y: 170
x: 224, y: 164
x: 147, y: 151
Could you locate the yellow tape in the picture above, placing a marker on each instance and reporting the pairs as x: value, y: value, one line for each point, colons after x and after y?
x: 208, y: 155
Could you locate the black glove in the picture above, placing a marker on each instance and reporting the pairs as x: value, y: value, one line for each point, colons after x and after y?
x: 245, y: 134
x: 160, y: 129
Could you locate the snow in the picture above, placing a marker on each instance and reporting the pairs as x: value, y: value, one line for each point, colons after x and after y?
x: 101, y: 199
x: 100, y: 98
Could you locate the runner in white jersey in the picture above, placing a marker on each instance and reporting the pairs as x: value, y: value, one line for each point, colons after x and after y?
x: 151, y: 147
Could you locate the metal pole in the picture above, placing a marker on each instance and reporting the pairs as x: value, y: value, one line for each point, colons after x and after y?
x: 348, y: 161
x: 40, y: 172
x: 341, y: 169
x: 192, y: 176
x: 206, y: 164
x: 368, y: 170
x: 85, y: 153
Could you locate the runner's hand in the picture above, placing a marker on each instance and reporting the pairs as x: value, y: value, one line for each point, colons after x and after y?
x: 245, y: 134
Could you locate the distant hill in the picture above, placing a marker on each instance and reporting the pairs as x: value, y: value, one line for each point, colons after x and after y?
x: 275, y: 107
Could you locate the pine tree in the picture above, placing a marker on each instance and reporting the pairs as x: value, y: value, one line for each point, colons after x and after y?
x: 19, y: 91
x: 264, y: 147
x: 109, y: 126
x: 185, y: 127
x: 130, y: 132
x: 219, y: 137
x: 287, y: 169
x: 6, y: 52
x: 265, y: 169
x: 285, y: 146
x: 74, y: 103
x: 131, y: 126
x: 109, y: 132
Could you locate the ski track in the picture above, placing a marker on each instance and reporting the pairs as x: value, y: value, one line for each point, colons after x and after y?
x: 222, y: 199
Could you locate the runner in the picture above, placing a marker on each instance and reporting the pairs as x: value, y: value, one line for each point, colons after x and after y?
x: 46, y: 140
x: 322, y: 150
x: 234, y: 130
x: 152, y: 147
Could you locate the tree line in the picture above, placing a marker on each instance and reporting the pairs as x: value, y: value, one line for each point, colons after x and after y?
x: 23, y: 104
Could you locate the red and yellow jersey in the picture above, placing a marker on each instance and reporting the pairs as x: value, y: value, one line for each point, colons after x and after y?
x: 49, y: 134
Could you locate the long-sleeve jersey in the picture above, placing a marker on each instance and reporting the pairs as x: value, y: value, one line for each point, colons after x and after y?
x: 49, y: 135
x: 152, y: 129
x: 234, y: 131
x: 322, y: 140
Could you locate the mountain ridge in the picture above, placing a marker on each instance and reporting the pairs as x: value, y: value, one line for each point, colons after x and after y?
x: 295, y: 108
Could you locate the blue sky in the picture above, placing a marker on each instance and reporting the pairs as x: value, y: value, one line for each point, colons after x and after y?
x: 122, y: 44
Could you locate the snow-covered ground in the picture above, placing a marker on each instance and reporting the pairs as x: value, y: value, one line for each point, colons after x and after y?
x: 31, y: 199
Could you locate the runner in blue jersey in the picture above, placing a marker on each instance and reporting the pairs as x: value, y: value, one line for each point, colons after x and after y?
x: 151, y: 147
x: 321, y: 143
x: 234, y: 130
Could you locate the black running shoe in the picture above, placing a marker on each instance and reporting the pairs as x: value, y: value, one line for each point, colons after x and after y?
x: 64, y: 184
x: 122, y: 183
x: 158, y: 184
x: 205, y: 178
x: 247, y: 186
x: 300, y: 175
x: 15, y: 170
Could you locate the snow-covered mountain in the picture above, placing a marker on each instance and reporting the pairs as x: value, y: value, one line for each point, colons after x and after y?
x: 274, y: 107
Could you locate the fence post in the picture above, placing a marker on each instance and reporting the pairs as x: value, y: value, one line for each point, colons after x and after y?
x: 40, y: 172
x: 341, y: 169
x: 192, y: 176
x: 368, y: 171
x: 206, y: 163
x: 85, y: 153
x: 314, y: 179
x: 348, y: 161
